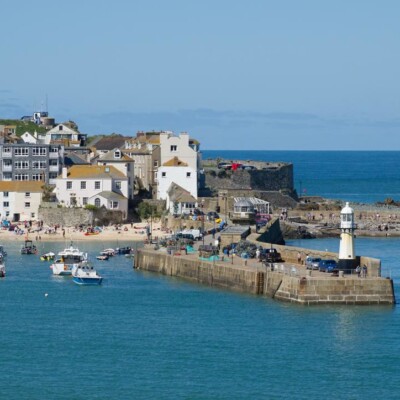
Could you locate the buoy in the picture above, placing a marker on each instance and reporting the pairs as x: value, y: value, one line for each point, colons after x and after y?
x: 46, y: 294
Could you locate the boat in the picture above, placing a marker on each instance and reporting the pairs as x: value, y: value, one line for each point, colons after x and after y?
x: 85, y: 274
x: 91, y: 233
x: 47, y: 256
x: 102, y: 257
x: 123, y: 250
x: 2, y: 268
x: 28, y: 247
x: 68, y: 260
x: 108, y: 252
x: 3, y: 253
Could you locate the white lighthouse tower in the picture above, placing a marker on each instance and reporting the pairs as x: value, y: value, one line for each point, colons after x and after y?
x: 346, y: 250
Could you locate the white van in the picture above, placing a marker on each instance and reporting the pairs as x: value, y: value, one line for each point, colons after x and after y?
x: 195, y: 232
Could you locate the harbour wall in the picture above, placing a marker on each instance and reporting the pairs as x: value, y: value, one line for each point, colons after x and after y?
x: 306, y: 290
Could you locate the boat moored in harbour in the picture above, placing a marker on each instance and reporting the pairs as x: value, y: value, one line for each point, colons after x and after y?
x: 85, y: 274
x: 68, y: 260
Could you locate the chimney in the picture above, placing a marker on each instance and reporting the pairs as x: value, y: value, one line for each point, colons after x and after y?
x: 64, y: 173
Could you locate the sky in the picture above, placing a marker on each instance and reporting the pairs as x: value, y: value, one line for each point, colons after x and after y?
x: 255, y: 75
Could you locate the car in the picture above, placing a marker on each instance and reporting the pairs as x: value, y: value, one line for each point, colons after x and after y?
x: 248, y: 167
x: 212, y: 215
x: 224, y: 165
x: 327, y: 265
x: 313, y: 262
x: 270, y: 255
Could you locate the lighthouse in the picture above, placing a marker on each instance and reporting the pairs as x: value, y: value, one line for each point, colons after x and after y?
x: 346, y: 250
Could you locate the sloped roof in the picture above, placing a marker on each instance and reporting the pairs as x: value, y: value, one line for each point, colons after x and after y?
x: 110, y: 142
x: 94, y: 171
x: 110, y: 156
x: 74, y: 159
x: 110, y: 195
x: 21, y: 186
x: 178, y: 194
x: 175, y: 162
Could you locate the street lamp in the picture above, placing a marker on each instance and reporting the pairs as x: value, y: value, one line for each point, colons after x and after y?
x: 202, y: 219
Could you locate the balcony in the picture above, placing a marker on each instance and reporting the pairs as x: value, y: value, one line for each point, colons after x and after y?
x: 7, y: 154
x: 54, y: 168
x: 53, y: 155
x: 7, y: 168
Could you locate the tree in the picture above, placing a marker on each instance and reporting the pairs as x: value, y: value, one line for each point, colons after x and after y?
x: 147, y: 210
x: 47, y: 192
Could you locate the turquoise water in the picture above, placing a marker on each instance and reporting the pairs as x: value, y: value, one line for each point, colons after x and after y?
x: 143, y: 335
x: 147, y: 336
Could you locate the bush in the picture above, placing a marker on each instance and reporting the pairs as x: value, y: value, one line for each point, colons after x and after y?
x: 91, y: 207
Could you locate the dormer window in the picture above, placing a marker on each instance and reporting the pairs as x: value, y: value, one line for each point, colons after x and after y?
x: 174, y: 147
x: 117, y: 154
x: 60, y: 128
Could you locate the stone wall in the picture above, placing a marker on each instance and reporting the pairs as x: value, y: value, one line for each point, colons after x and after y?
x: 65, y: 216
x: 302, y: 290
x: 279, y: 178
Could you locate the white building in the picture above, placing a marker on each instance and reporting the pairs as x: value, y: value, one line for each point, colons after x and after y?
x: 98, y: 185
x: 19, y: 201
x: 63, y: 134
x: 122, y: 163
x: 176, y: 171
x: 179, y: 163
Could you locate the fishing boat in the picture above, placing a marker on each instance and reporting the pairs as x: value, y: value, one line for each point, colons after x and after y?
x: 2, y: 268
x: 3, y: 252
x: 68, y: 260
x: 28, y: 247
x: 85, y: 274
x: 123, y: 250
x: 108, y: 252
x: 47, y: 256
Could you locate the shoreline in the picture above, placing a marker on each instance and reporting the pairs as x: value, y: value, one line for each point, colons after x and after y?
x: 126, y: 233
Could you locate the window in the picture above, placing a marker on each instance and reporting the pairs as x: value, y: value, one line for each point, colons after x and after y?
x: 97, y: 185
x: 53, y: 149
x: 39, y: 151
x: 174, y: 148
x: 118, y: 184
x: 7, y: 213
x: 163, y: 174
x: 83, y: 184
x: 53, y: 163
x: 84, y: 201
x: 114, y: 204
x: 52, y: 175
x: 21, y: 165
x: 27, y: 205
x: 27, y: 194
x: 117, y: 154
x: 21, y: 177
x: 60, y: 128
x: 97, y: 202
x: 7, y: 163
x: 7, y: 176
x: 155, y: 164
x: 39, y: 164
x: 21, y: 151
x: 37, y: 177
x: 6, y: 204
x: 7, y: 150
x: 32, y: 215
x: 5, y: 194
x: 187, y: 174
x: 69, y: 185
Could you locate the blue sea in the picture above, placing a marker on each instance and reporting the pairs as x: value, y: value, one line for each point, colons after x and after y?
x: 147, y: 336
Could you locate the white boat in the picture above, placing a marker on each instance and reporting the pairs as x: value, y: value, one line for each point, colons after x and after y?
x: 2, y: 268
x: 68, y: 260
x: 85, y: 274
x: 108, y: 252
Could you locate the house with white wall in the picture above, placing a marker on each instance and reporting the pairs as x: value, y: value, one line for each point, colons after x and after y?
x: 122, y: 163
x: 20, y: 200
x: 98, y: 185
x: 63, y: 134
x: 179, y: 172
x: 179, y: 163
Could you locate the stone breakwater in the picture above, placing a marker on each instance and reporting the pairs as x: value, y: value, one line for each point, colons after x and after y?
x: 278, y: 284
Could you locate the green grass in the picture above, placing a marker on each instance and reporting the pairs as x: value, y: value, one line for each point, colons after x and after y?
x: 23, y: 126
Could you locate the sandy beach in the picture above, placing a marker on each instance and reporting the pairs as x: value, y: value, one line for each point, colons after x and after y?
x: 137, y: 232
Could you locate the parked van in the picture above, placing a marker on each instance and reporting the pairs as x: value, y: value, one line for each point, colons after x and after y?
x: 194, y: 232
